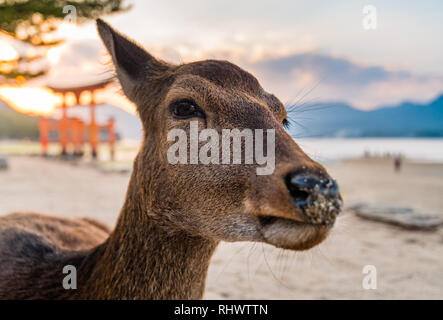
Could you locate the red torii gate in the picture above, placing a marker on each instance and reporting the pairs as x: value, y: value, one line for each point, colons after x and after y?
x: 72, y: 130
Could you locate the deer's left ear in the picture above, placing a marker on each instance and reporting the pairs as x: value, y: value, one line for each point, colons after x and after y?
x: 133, y: 64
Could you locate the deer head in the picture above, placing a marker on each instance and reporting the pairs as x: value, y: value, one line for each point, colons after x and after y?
x: 294, y: 207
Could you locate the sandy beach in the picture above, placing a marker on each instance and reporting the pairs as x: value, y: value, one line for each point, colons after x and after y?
x: 409, y: 264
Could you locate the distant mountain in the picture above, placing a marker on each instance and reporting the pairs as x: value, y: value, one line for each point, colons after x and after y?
x: 326, y: 119
x: 320, y: 120
x: 341, y: 120
x: 14, y: 125
x: 5, y: 108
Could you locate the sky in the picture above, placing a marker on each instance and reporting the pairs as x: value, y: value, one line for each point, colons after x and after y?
x: 302, y: 51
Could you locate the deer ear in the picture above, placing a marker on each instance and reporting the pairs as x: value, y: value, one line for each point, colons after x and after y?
x: 133, y: 64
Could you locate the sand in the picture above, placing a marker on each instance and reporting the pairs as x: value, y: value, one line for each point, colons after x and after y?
x: 409, y: 264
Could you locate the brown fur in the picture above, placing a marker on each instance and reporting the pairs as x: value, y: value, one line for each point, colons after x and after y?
x: 174, y: 215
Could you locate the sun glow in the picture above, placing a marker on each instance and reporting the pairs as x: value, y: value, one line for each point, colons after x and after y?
x: 7, y: 52
x: 37, y: 101
x: 53, y: 55
x: 43, y: 101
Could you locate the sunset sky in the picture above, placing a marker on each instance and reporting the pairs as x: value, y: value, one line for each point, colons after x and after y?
x: 318, y: 49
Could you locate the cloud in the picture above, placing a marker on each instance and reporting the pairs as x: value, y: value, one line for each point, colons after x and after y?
x: 318, y: 77
x: 308, y: 77
x: 74, y: 63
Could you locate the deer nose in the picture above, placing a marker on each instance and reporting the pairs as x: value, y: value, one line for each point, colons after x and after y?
x: 318, y: 198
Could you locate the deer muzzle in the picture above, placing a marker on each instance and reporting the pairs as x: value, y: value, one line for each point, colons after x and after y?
x: 316, y: 197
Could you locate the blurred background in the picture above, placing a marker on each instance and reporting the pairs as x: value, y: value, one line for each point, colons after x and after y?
x: 363, y: 84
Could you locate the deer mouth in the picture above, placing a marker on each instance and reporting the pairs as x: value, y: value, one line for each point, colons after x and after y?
x: 290, y: 234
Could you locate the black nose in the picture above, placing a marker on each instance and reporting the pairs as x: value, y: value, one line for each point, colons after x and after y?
x: 317, y: 197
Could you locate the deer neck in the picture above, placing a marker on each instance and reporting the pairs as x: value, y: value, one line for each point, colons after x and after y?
x: 144, y: 260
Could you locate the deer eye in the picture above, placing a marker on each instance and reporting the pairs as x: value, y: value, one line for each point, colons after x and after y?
x: 185, y: 109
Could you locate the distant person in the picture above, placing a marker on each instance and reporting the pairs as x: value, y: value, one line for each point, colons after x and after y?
x: 397, y: 163
x: 3, y: 163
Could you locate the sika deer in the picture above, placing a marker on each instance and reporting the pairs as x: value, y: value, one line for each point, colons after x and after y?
x: 174, y: 215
